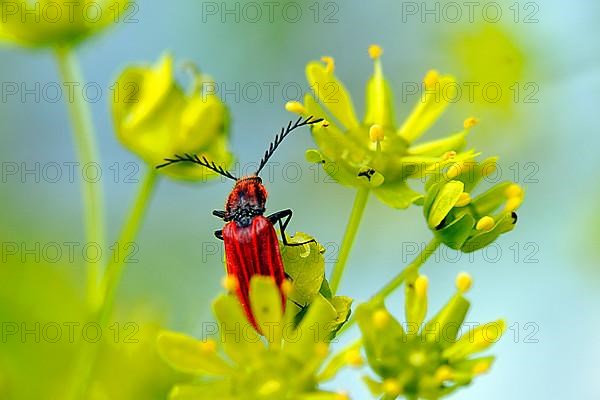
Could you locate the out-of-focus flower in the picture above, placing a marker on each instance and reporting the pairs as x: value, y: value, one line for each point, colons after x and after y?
x: 460, y: 221
x: 59, y: 22
x: 497, y: 72
x: 424, y: 360
x: 286, y: 364
x: 155, y: 118
x: 377, y: 152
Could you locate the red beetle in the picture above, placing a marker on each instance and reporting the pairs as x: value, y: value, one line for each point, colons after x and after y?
x: 251, y: 243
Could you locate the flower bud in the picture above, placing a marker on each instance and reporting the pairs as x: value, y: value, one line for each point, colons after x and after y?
x: 155, y: 119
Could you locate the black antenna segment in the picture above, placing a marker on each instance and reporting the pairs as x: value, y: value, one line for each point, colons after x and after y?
x: 193, y: 158
x: 285, y: 131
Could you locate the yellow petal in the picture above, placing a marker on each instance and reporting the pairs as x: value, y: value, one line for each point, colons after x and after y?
x: 331, y: 93
x: 437, y: 95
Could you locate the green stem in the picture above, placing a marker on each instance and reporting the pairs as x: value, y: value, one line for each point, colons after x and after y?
x: 397, y: 281
x: 114, y: 271
x: 115, y: 267
x: 87, y: 154
x: 358, y: 209
x: 411, y: 268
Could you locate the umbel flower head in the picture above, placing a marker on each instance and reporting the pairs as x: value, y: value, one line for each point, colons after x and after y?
x: 57, y: 22
x: 377, y: 152
x: 469, y: 223
x: 155, y: 118
x: 424, y: 360
x: 287, y: 363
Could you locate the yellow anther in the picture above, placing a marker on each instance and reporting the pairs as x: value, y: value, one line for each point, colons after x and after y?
x: 513, y: 190
x: 376, y: 133
x: 513, y: 203
x: 392, y: 387
x: 421, y: 285
x: 463, y: 200
x: 464, y: 281
x: 230, y: 283
x: 481, y: 368
x: 432, y: 78
x: 454, y: 170
x: 449, y: 155
x: 210, y: 346
x: 444, y: 373
x: 375, y: 51
x: 295, y: 107
x: 470, y: 122
x: 485, y: 223
x: 354, y: 358
x: 321, y: 350
x: 286, y: 287
x: 417, y: 358
x: 329, y: 64
x: 381, y: 319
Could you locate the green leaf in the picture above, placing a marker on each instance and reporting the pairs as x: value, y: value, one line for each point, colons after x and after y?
x: 444, y: 201
x: 315, y: 328
x: 326, y: 290
x: 186, y: 354
x: 306, y: 267
x: 457, y: 231
x: 489, y: 201
x: 397, y: 195
x: 342, y: 305
x: 482, y: 239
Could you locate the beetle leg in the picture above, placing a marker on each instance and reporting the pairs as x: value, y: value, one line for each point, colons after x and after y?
x: 219, y: 214
x: 279, y: 217
x: 219, y: 234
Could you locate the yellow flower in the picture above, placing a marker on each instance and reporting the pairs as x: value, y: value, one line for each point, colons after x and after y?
x: 289, y: 362
x: 155, y: 119
x: 377, y: 152
x: 425, y: 360
x: 59, y: 22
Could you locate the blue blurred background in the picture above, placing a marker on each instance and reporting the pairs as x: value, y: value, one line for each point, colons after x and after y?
x: 543, y: 277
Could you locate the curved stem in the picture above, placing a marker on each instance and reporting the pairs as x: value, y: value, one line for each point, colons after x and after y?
x: 411, y: 268
x: 87, y: 154
x: 358, y: 208
x: 115, y: 267
x: 395, y: 283
x: 114, y: 271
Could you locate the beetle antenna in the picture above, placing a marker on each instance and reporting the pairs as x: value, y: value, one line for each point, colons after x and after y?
x: 285, y: 131
x: 193, y: 158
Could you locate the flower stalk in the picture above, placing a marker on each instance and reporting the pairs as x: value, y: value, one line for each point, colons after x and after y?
x: 87, y: 153
x: 114, y: 269
x: 410, y: 269
x: 358, y: 209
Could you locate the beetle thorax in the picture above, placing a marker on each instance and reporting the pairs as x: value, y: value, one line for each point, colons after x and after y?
x: 246, y: 201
